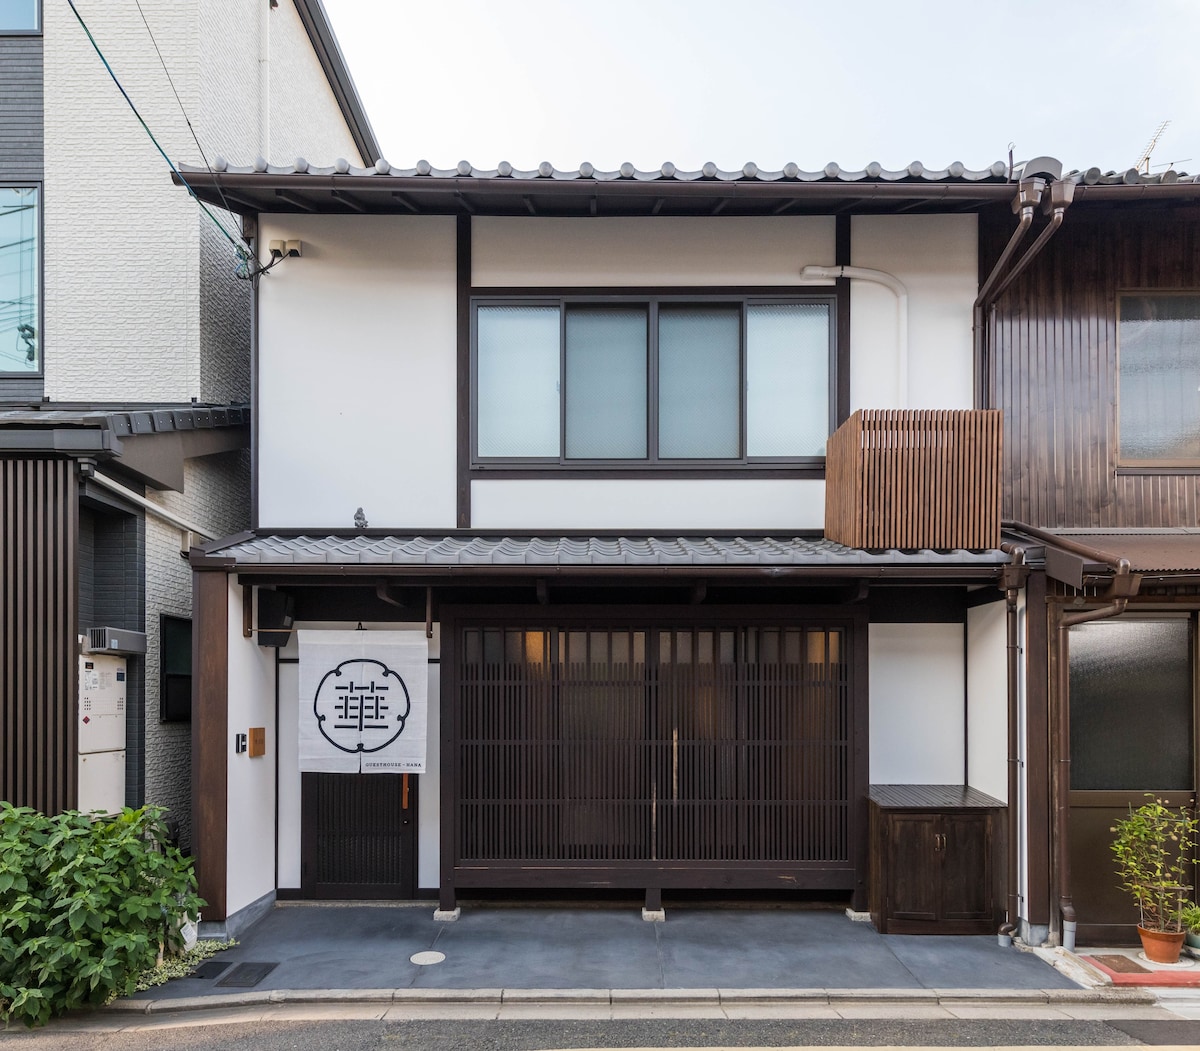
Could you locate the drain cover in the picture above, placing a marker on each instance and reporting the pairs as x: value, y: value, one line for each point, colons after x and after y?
x: 209, y: 970
x: 424, y: 959
x: 245, y: 975
x: 1120, y: 964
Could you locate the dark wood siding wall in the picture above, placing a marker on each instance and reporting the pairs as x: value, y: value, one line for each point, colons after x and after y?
x: 39, y: 535
x: 1054, y: 346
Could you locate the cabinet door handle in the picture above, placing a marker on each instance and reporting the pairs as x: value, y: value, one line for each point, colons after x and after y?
x: 939, y: 841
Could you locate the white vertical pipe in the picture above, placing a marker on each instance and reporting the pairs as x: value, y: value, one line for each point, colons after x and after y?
x: 879, y: 277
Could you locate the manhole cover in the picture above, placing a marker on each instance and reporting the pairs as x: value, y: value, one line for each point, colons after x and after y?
x: 1120, y: 964
x: 209, y: 970
x: 424, y: 959
x: 245, y: 975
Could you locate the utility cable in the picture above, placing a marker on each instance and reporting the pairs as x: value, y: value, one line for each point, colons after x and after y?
x: 243, y: 255
x: 187, y: 120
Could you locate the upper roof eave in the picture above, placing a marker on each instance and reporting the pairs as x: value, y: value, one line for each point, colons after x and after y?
x: 344, y: 188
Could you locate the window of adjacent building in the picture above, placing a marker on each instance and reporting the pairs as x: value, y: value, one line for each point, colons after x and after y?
x: 19, y: 16
x: 1131, y: 704
x: 20, y: 277
x: 1159, y: 397
x: 175, y: 669
x: 658, y: 381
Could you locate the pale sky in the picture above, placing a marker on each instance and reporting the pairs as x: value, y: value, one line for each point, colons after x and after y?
x: 773, y: 81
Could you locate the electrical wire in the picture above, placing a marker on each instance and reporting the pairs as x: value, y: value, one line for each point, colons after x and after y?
x: 243, y: 254
x: 187, y: 120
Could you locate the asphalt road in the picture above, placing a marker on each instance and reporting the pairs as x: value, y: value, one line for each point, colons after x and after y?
x: 542, y: 1035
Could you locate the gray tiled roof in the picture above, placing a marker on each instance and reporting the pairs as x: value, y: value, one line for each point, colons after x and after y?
x: 124, y: 422
x: 669, y: 173
x: 460, y: 550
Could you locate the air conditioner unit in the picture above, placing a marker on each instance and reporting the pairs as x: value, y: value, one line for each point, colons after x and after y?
x: 115, y: 640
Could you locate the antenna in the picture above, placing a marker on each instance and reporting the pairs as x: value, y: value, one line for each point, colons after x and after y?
x: 1143, y: 162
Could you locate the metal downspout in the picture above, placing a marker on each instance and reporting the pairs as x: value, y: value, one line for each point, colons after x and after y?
x: 1015, y: 576
x: 1123, y: 587
x: 1062, y: 192
x: 1029, y: 193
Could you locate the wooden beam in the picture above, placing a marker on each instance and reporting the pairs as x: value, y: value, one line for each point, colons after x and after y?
x: 210, y: 738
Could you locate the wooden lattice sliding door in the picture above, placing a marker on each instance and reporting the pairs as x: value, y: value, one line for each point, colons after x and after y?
x: 652, y: 755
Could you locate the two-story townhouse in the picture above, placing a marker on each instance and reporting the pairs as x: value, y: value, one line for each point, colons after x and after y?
x: 659, y: 513
x: 125, y: 374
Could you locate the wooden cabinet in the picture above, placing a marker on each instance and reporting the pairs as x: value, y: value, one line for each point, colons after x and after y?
x: 934, y: 859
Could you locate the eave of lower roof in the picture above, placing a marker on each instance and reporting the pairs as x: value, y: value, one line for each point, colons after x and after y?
x: 648, y: 557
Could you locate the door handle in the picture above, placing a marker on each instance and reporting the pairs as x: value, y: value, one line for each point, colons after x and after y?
x: 404, y: 792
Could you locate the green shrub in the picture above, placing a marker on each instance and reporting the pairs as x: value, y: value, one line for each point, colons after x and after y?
x: 85, y: 906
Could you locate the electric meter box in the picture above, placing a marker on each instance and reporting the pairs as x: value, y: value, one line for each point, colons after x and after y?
x: 101, y: 703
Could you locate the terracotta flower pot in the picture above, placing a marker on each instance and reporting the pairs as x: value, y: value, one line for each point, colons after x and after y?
x: 1161, y: 946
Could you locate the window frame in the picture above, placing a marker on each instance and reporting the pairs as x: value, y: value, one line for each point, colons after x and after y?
x: 35, y: 31
x: 1130, y: 464
x: 165, y: 714
x: 652, y: 465
x: 40, y: 371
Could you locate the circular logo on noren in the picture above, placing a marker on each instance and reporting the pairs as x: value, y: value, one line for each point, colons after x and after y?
x: 361, y: 705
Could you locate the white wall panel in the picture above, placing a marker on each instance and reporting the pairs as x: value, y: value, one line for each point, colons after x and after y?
x: 684, y: 504
x: 357, y: 367
x: 916, y: 683
x: 652, y: 251
x: 987, y: 699
x: 937, y: 259
x: 250, y: 869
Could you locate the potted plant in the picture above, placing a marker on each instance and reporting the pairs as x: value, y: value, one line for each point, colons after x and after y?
x: 1190, y: 917
x: 1153, y: 848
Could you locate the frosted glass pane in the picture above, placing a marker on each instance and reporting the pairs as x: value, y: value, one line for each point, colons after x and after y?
x: 518, y: 381
x: 787, y: 379
x: 1160, y: 378
x: 19, y: 276
x: 606, y: 382
x: 1131, y: 705
x: 698, y: 382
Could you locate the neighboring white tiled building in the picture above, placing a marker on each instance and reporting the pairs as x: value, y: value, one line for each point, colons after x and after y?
x: 134, y: 365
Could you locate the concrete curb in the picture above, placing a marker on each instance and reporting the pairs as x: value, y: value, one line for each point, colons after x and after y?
x: 1106, y: 996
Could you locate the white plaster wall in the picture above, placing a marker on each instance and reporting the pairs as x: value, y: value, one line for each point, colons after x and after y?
x: 213, y: 497
x: 937, y: 259
x: 250, y: 869
x: 653, y: 251
x: 429, y: 784
x: 987, y: 699
x: 686, y: 504
x: 357, y: 397
x: 916, y: 709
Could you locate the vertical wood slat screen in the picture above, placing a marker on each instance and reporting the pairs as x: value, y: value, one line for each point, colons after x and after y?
x: 915, y: 478
x: 722, y: 746
x: 39, y: 535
